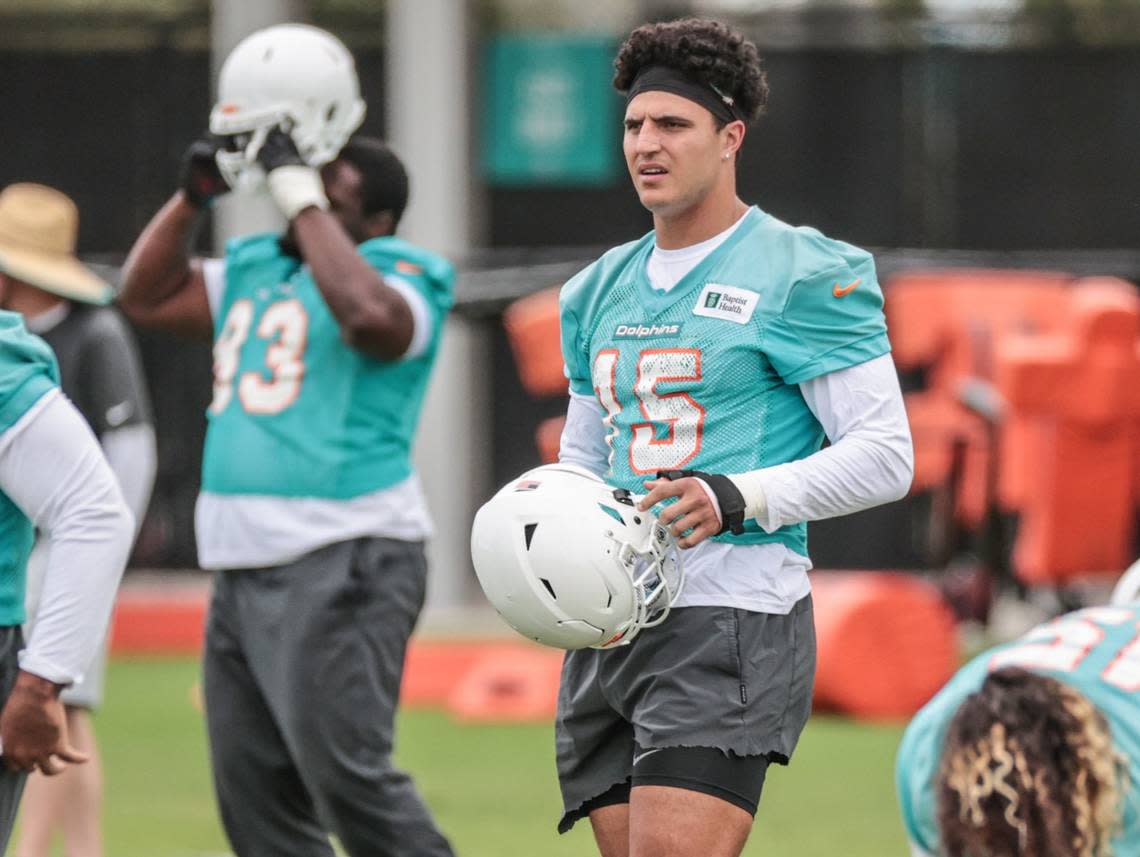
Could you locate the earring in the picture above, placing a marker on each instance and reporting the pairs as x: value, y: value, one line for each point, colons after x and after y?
x: 724, y: 157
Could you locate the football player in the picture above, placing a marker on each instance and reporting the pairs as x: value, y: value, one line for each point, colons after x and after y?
x: 310, y: 513
x: 707, y: 362
x: 100, y: 372
x: 54, y: 478
x: 1033, y: 747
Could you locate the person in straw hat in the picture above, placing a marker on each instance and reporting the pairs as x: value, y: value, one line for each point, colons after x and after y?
x: 100, y: 372
x: 55, y: 479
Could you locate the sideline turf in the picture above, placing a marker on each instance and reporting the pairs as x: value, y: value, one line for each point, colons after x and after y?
x: 492, y: 787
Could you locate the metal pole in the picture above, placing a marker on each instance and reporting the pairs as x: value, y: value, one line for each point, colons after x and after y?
x: 429, y: 127
x: 230, y: 22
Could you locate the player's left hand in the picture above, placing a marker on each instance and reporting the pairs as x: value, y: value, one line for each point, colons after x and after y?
x: 293, y: 184
x: 33, y: 728
x: 693, y: 518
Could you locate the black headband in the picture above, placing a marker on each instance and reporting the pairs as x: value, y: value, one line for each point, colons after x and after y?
x: 665, y: 79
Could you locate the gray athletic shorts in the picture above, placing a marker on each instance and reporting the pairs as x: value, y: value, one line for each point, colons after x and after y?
x: 719, y: 677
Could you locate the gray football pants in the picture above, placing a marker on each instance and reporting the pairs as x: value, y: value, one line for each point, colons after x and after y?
x: 11, y: 782
x: 301, y: 670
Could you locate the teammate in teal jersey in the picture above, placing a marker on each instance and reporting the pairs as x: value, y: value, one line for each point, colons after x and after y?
x: 53, y: 478
x: 707, y: 363
x: 1033, y: 747
x: 310, y: 512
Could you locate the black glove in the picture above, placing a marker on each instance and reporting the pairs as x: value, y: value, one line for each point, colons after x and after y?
x: 279, y: 150
x: 199, y: 176
x: 728, y: 497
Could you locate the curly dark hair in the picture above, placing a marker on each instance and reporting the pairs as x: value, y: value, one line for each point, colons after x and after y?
x: 385, y: 179
x: 705, y: 50
x: 1029, y: 767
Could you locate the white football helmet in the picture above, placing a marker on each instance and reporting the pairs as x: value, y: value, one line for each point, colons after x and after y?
x: 293, y: 75
x: 570, y: 562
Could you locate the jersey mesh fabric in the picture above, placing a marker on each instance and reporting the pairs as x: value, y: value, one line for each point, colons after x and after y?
x: 343, y: 424
x: 28, y: 372
x: 705, y: 375
x: 1095, y: 651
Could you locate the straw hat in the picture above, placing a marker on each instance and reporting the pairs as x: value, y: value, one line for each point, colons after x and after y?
x: 38, y: 230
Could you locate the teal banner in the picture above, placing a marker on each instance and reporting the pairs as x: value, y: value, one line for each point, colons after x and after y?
x: 550, y: 114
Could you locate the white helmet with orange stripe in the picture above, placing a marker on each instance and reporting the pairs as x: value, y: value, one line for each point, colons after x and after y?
x: 293, y: 75
x: 570, y: 562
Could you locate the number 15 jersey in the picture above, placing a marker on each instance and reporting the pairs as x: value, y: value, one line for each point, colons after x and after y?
x: 705, y: 375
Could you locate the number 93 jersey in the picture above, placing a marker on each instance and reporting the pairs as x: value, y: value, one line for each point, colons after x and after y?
x: 1096, y: 651
x: 706, y: 375
x: 296, y: 411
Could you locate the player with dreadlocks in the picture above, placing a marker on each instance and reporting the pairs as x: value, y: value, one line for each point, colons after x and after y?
x: 1032, y: 748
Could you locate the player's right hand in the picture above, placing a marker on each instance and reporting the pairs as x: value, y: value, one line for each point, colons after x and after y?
x: 33, y: 728
x: 199, y: 177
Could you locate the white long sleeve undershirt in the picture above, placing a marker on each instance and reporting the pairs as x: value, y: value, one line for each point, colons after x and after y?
x: 132, y: 453
x: 870, y: 460
x: 51, y: 467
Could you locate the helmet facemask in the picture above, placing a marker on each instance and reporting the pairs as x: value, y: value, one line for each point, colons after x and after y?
x: 658, y: 578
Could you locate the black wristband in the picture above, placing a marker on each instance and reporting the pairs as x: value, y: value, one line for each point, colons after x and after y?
x: 728, y: 497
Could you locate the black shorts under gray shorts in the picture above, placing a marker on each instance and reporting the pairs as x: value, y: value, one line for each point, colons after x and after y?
x: 722, y: 679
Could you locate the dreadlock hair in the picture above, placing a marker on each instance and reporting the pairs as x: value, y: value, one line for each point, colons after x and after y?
x: 707, y: 51
x: 385, y: 179
x: 1029, y: 768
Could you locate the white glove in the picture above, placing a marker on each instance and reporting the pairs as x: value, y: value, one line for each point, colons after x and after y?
x: 295, y: 187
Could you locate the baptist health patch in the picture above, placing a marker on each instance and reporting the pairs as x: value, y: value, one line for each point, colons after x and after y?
x: 726, y: 302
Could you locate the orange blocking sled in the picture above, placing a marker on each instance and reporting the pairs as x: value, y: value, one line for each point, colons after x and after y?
x: 156, y: 622
x: 533, y: 330
x: 508, y: 684
x: 887, y: 643
x: 1077, y: 394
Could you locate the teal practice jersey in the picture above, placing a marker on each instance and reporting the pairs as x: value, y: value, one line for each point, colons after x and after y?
x: 27, y: 373
x: 296, y: 411
x: 1096, y: 651
x: 705, y: 376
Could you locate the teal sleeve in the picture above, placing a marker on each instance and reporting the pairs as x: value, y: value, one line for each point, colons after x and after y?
x: 432, y: 276
x: 27, y: 370
x: 576, y: 364
x: 830, y: 320
x: 914, y: 781
x: 18, y: 400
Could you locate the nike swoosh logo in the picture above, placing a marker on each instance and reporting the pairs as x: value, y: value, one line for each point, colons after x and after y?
x: 839, y: 291
x: 645, y: 753
x: 118, y: 414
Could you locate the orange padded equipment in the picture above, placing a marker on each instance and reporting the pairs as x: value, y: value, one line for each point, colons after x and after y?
x: 946, y: 323
x: 926, y: 309
x: 534, y: 333
x: 533, y: 330
x: 432, y: 667
x: 509, y: 684
x: 1078, y: 395
x: 548, y: 436
x: 887, y: 642
x: 155, y: 620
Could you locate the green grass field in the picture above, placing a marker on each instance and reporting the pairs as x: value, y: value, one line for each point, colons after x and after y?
x: 492, y: 787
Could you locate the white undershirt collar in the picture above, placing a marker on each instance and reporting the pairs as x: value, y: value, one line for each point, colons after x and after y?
x: 48, y: 319
x: 666, y: 268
